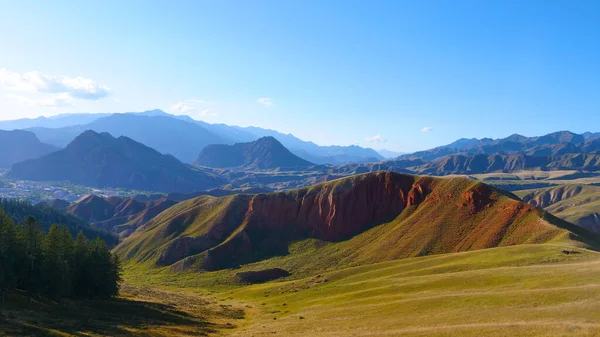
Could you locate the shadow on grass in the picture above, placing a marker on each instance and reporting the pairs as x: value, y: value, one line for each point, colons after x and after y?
x: 116, y: 317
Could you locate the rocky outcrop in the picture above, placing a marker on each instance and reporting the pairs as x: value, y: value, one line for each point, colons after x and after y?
x: 478, y: 197
x: 336, y: 211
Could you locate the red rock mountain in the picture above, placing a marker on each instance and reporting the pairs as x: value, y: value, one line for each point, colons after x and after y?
x: 388, y: 215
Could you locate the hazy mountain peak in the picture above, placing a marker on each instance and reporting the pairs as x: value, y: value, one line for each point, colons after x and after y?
x: 19, y: 145
x: 263, y: 153
x: 100, y: 160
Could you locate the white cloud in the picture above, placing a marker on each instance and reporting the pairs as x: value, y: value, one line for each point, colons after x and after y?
x: 267, y: 102
x: 426, y: 129
x: 36, y: 82
x: 193, y: 107
x: 181, y: 107
x: 207, y: 113
x: 376, y: 139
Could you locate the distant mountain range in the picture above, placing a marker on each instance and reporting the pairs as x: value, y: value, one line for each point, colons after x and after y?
x: 459, y: 164
x: 180, y: 136
x: 100, y: 160
x: 553, y: 144
x: 222, y: 146
x: 18, y: 145
x: 57, y: 121
x: 264, y: 153
x: 389, y: 154
x: 318, y: 154
x: 168, y: 135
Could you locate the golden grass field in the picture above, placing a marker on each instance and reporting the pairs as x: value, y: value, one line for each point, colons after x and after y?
x: 513, y: 291
x: 527, y: 290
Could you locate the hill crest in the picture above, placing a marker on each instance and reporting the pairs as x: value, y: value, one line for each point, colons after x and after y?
x: 376, y: 217
x: 263, y: 153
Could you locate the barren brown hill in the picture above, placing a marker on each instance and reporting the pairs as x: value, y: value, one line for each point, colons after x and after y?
x: 365, y: 218
x: 578, y: 204
x: 118, y: 215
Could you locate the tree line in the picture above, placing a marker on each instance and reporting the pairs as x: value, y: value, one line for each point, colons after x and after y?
x: 53, y: 264
x: 19, y: 210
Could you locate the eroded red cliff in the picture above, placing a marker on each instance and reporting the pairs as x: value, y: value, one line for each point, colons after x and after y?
x: 335, y: 211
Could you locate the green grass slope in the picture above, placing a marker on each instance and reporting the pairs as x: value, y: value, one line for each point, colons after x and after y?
x: 526, y: 290
x: 578, y: 204
x: 376, y: 217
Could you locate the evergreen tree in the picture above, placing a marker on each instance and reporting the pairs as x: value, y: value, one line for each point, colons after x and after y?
x: 79, y: 270
x: 100, y: 264
x: 8, y: 255
x: 30, y: 239
x: 66, y: 244
x: 114, y: 276
x: 55, y: 263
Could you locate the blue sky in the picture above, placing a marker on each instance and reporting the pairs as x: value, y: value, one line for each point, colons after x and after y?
x: 402, y: 75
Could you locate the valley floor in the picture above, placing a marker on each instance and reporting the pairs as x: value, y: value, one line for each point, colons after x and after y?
x: 527, y: 290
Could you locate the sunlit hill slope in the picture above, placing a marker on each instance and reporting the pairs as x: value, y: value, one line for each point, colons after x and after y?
x: 356, y: 220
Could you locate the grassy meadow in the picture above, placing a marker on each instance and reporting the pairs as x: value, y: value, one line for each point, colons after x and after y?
x: 526, y: 290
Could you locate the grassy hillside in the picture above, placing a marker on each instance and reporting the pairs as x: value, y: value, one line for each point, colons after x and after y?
x: 528, y: 290
x: 331, y: 225
x: 578, y: 204
x: 524, y: 290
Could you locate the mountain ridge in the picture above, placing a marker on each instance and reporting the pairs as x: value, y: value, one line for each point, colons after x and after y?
x: 100, y: 160
x: 556, y: 143
x: 62, y: 129
x: 18, y: 145
x: 481, y: 163
x: 394, y: 210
